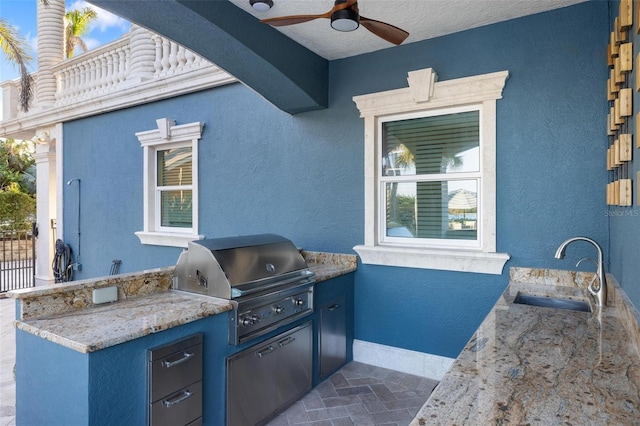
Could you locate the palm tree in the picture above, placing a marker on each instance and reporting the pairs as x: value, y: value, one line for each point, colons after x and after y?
x: 76, y: 24
x: 15, y: 49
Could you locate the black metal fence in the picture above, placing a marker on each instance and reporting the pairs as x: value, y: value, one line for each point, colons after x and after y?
x: 17, y: 260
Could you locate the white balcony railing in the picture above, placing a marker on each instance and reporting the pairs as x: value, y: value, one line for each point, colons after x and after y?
x: 92, y: 74
x: 140, y: 57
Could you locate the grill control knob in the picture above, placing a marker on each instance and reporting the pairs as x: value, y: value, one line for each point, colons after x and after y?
x: 255, y: 319
x: 298, y: 302
x: 246, y: 322
x: 278, y: 310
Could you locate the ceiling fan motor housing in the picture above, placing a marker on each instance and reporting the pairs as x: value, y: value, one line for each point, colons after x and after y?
x: 345, y: 19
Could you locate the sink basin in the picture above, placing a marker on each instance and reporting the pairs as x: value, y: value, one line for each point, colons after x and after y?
x: 552, y: 302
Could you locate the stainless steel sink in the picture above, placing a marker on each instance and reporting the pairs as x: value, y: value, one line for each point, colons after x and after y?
x: 552, y: 302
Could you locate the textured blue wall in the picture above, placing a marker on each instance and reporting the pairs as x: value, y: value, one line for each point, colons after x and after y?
x: 262, y: 170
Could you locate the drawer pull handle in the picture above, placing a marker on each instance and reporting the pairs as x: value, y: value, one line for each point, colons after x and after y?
x: 333, y: 307
x: 285, y: 342
x: 177, y: 399
x: 265, y: 351
x: 186, y: 356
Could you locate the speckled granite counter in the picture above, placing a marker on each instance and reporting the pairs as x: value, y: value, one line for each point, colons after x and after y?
x: 533, y: 365
x: 65, y: 314
x: 99, y: 327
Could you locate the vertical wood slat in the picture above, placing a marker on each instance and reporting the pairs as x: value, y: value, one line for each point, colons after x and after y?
x: 625, y: 13
x: 625, y: 147
x: 625, y: 192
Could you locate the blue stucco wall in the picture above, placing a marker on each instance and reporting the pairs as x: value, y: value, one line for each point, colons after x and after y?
x: 262, y: 170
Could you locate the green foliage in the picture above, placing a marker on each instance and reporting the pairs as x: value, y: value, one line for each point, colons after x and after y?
x: 17, y: 185
x: 15, y: 50
x: 76, y: 24
x: 17, y: 166
x: 17, y: 211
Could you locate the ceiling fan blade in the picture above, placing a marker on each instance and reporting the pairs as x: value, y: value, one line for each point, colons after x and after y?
x: 385, y: 31
x: 281, y: 21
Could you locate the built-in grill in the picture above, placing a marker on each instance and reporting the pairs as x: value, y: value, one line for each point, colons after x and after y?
x: 264, y: 276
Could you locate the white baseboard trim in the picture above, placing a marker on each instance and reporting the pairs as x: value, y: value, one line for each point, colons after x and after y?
x: 406, y: 361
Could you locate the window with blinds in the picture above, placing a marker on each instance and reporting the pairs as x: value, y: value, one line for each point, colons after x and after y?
x: 174, y: 170
x: 430, y: 177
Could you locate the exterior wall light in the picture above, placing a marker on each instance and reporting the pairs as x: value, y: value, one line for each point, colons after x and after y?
x: 41, y: 138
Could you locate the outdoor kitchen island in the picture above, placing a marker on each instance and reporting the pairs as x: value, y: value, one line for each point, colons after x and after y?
x: 537, y: 365
x: 84, y: 364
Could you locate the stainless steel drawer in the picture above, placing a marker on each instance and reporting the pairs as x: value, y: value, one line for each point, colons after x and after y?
x: 267, y: 377
x: 175, y: 366
x: 179, y: 408
x: 174, y: 383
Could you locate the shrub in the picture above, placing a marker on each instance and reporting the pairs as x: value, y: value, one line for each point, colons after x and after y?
x: 17, y: 211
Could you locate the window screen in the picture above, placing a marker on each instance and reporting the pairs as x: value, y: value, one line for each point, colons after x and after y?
x: 174, y: 179
x: 430, y: 176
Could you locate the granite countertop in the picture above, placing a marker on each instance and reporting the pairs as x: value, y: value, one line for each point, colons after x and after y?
x: 102, y: 326
x: 534, y: 365
x: 65, y: 314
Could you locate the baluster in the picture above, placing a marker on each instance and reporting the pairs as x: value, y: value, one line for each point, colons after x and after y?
x: 93, y: 76
x: 122, y: 67
x: 173, y: 56
x: 157, y: 63
x: 58, y: 76
x: 104, y: 77
x: 165, y: 54
x: 190, y: 57
x: 83, y: 80
x: 181, y: 57
x: 76, y: 81
x: 110, y: 70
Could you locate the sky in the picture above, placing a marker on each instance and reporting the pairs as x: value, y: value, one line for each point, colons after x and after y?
x: 21, y: 14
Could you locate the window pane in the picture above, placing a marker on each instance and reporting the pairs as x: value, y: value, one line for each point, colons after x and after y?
x: 174, y: 167
x: 427, y: 145
x: 176, y: 209
x: 435, y: 209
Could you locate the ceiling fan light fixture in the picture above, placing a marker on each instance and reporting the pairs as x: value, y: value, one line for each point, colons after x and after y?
x: 345, y: 20
x: 261, y: 5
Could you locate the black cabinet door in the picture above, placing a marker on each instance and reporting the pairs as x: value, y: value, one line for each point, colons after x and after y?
x: 332, y: 335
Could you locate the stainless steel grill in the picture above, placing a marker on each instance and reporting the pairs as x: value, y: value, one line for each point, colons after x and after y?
x: 264, y: 276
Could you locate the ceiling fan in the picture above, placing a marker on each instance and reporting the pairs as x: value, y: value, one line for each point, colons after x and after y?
x: 345, y: 17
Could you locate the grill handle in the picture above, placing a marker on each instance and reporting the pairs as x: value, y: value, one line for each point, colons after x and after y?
x: 265, y: 351
x: 285, y: 342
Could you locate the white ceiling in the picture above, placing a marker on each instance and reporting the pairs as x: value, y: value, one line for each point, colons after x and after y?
x: 423, y: 19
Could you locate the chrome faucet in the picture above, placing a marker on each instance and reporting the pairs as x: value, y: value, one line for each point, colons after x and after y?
x: 599, y: 292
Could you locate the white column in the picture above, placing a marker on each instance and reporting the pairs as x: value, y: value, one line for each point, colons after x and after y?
x: 46, y: 204
x: 142, y: 55
x: 50, y: 50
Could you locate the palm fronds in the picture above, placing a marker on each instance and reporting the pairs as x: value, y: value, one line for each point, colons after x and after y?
x: 14, y: 48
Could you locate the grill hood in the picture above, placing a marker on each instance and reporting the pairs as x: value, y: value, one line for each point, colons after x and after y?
x: 237, y: 266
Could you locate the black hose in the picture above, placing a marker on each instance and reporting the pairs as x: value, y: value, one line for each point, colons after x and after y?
x: 62, y: 263
x: 115, y: 267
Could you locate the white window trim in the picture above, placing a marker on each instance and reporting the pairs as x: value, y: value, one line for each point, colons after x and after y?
x: 424, y: 93
x: 165, y: 136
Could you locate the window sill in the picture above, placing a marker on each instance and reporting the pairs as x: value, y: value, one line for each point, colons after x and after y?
x: 445, y: 260
x: 166, y: 239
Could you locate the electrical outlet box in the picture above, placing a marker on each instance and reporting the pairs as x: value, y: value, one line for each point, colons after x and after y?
x: 77, y: 267
x: 105, y: 295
